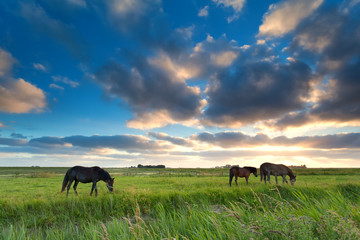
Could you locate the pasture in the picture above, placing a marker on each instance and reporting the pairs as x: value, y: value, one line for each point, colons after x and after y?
x: 180, y: 204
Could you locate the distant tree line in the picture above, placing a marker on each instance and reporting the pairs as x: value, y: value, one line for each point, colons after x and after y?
x: 150, y: 166
x: 301, y: 166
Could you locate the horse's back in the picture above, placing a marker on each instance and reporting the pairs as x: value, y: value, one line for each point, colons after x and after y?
x: 278, y: 169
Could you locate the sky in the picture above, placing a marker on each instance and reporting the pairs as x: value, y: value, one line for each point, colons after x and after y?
x: 189, y: 83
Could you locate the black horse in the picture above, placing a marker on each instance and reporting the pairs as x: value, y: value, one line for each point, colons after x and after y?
x: 267, y: 169
x: 86, y: 175
x: 241, y: 172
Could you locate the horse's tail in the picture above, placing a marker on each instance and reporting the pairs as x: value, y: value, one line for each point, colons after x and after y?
x: 65, y: 181
x: 231, y: 176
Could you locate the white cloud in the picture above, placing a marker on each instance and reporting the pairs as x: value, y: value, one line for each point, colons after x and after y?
x: 285, y: 16
x: 65, y: 80
x: 39, y: 66
x: 223, y: 59
x: 204, y: 12
x: 55, y: 86
x: 237, y: 5
x: 21, y: 97
x: 6, y: 62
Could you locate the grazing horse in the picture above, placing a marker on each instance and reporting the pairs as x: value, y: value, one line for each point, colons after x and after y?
x: 241, y: 172
x: 86, y: 175
x: 267, y: 169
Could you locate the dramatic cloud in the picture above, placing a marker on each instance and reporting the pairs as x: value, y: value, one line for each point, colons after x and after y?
x: 331, y: 38
x: 256, y: 91
x: 150, y: 89
x: 285, y: 16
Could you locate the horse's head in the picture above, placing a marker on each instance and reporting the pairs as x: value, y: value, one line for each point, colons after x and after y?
x: 110, y: 183
x: 293, y: 180
x: 255, y: 172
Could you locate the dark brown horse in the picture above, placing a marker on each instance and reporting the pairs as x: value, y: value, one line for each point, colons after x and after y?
x: 267, y: 169
x: 241, y: 172
x: 86, y: 175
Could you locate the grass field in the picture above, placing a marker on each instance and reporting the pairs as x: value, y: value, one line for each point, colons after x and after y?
x: 180, y: 204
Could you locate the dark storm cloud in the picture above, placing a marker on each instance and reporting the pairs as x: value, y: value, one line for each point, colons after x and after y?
x: 256, y: 91
x: 147, y: 88
x: 331, y: 39
x: 238, y: 139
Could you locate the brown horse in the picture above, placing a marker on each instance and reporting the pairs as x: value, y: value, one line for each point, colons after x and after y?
x: 241, y: 172
x: 267, y: 169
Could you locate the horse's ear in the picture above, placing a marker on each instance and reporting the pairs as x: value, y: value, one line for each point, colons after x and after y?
x: 113, y: 179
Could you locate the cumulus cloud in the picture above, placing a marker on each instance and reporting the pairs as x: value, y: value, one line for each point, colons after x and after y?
x: 330, y: 38
x: 148, y: 89
x: 256, y: 91
x: 17, y: 96
x: 285, y: 16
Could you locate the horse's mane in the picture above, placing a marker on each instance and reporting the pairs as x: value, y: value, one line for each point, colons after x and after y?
x: 104, y: 174
x: 251, y: 169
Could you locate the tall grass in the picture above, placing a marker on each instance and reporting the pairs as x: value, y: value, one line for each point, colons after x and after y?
x: 150, y: 207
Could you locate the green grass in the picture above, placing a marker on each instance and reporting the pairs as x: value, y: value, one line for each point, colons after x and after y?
x: 180, y: 204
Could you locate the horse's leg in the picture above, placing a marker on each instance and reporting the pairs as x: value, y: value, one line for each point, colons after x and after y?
x: 92, y: 188
x: 268, y: 175
x: 276, y: 179
x: 265, y: 178
x: 68, y: 187
x: 284, y: 179
x: 247, y: 177
x: 75, y: 186
x: 236, y: 180
x: 95, y: 190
